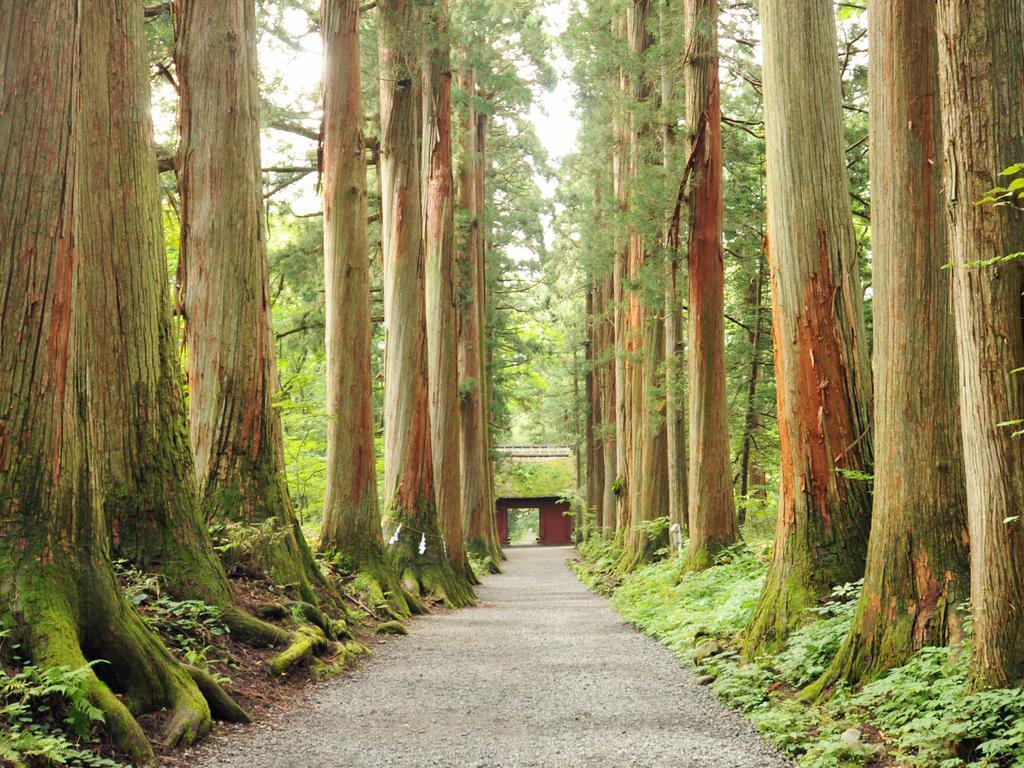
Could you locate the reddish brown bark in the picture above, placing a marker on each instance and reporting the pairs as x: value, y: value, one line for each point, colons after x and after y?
x: 351, y: 513
x: 592, y: 448
x: 477, y: 487
x: 56, y: 582
x: 712, y: 510
x: 917, y: 571
x: 351, y: 530
x: 408, y: 465
x: 441, y: 313
x: 143, y: 457
x: 675, y: 388
x: 822, y: 370
x: 643, y: 325
x: 620, y: 323
x: 752, y: 475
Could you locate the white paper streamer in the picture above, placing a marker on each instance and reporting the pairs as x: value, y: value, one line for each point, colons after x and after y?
x: 394, y: 536
x: 423, y: 543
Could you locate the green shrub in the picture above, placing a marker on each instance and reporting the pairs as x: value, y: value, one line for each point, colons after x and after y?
x: 918, y: 715
x: 46, y: 716
x: 188, y: 627
x: 676, y: 607
x: 810, y: 649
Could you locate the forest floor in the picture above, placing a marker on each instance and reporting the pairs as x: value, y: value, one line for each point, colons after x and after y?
x: 541, y: 673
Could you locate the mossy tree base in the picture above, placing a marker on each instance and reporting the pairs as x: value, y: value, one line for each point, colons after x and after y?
x: 63, y: 626
x: 377, y: 578
x: 780, y: 609
x: 429, y: 575
x: 641, y: 548
x: 277, y: 550
x: 705, y: 556
x: 486, y: 554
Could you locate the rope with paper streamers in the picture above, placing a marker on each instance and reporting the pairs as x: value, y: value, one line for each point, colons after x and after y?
x: 423, y: 538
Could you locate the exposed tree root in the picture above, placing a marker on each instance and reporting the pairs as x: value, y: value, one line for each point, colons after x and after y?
x: 95, y: 624
x: 276, y: 549
x: 391, y: 628
x: 251, y: 630
x: 376, y: 577
x: 438, y: 582
x: 222, y: 706
x: 306, y: 642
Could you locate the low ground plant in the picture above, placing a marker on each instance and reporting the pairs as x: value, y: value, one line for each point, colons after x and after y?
x: 918, y: 715
x: 46, y: 718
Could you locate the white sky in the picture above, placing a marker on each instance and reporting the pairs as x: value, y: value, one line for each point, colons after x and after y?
x: 553, y: 117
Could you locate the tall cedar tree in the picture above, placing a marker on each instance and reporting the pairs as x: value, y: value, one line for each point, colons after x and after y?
x: 441, y: 314
x: 351, y: 531
x: 821, y: 363
x: 606, y: 386
x: 981, y: 67
x: 475, y: 481
x: 485, y: 292
x: 408, y: 468
x: 620, y: 277
x: 712, y: 510
x: 144, y: 460
x: 601, y: 443
x: 232, y: 373
x: 645, y: 342
x: 675, y: 405
x: 917, y: 570
x: 591, y: 435
x: 55, y: 576
x: 752, y: 475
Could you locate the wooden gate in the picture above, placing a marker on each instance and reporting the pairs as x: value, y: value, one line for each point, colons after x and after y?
x: 556, y: 523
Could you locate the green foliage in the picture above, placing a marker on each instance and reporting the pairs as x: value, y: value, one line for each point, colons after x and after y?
x: 523, y: 526
x: 918, y: 715
x: 677, y: 606
x: 547, y: 477
x: 46, y: 716
x: 922, y: 708
x: 189, y: 628
x: 482, y: 565
x: 810, y: 649
x: 598, y: 565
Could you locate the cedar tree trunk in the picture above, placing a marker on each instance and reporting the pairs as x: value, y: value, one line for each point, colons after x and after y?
x: 232, y: 376
x: 56, y: 583
x: 917, y: 566
x: 408, y: 468
x: 981, y: 66
x: 351, y: 531
x: 144, y: 459
x: 712, y: 510
x: 821, y: 364
x: 478, y: 513
x: 441, y: 313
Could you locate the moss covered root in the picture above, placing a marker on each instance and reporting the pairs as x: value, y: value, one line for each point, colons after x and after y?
x: 307, y: 642
x: 222, y: 706
x: 438, y: 582
x: 391, y: 628
x: 129, y: 659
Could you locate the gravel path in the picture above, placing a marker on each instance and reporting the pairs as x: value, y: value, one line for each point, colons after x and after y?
x: 542, y: 673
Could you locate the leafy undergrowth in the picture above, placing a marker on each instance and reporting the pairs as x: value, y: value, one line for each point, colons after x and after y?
x: 46, y: 719
x: 916, y: 716
x: 45, y: 716
x: 482, y: 564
